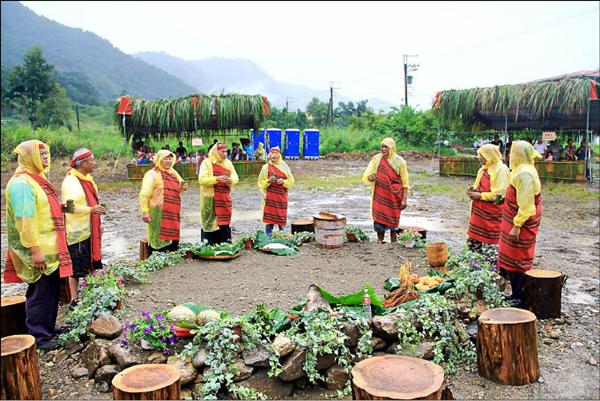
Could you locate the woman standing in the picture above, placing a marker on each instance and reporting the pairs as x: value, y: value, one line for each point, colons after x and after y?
x: 521, y: 217
x: 274, y: 180
x: 160, y: 201
x: 486, y: 195
x: 217, y: 177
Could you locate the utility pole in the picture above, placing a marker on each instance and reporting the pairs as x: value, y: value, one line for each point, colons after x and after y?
x: 77, y: 112
x: 330, y: 108
x: 287, y: 99
x: 405, y: 61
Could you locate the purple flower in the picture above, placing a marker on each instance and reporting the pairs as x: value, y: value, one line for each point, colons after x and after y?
x: 162, y: 327
x: 164, y: 340
x: 166, y: 352
x: 160, y: 318
x: 124, y: 343
x: 146, y: 331
x: 172, y: 343
x: 145, y: 313
x: 133, y: 326
x: 151, y: 326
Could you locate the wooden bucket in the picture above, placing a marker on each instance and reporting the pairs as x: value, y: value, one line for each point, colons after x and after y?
x: 542, y: 292
x: 437, y: 254
x: 330, y: 230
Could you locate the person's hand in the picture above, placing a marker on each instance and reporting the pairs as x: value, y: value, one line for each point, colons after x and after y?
x: 372, y: 177
x: 280, y: 181
x: 146, y: 217
x: 272, y: 178
x: 403, y: 204
x: 98, y: 210
x: 514, y: 233
x: 475, y: 195
x: 38, y: 259
x: 224, y: 178
x: 184, y: 186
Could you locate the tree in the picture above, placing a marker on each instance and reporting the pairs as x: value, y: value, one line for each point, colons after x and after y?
x: 55, y: 110
x: 317, y: 111
x: 32, y: 82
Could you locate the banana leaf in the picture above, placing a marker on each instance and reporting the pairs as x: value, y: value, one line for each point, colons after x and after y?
x: 391, y: 284
x: 354, y: 299
x: 262, y: 240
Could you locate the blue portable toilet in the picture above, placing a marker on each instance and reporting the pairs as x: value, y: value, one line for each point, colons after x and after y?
x: 292, y: 144
x: 273, y: 138
x: 258, y: 138
x: 310, y: 146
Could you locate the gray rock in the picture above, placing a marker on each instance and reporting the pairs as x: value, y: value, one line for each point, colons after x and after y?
x: 472, y: 329
x: 184, y: 367
x: 79, y: 371
x: 386, y: 327
x: 156, y: 357
x: 592, y: 361
x: 256, y: 357
x: 199, y: 378
x: 423, y: 350
x: 283, y: 345
x: 353, y: 335
x: 336, y: 378
x: 61, y: 356
x: 103, y: 387
x: 378, y: 344
x: 292, y: 368
x: 242, y: 371
x: 325, y: 361
x: 106, y: 373
x: 272, y: 387
x: 94, y: 356
x: 72, y: 346
x: 315, y: 300
x: 199, y: 360
x: 107, y: 326
x: 123, y: 357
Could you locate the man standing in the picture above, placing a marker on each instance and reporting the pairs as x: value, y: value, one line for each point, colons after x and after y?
x: 498, y: 142
x: 84, y: 230
x: 388, y: 175
x: 37, y: 245
x: 540, y: 146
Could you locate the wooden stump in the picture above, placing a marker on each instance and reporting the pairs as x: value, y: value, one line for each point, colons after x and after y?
x: 398, y: 378
x: 12, y: 316
x: 507, y: 346
x: 144, y: 249
x: 301, y: 225
x: 20, y: 369
x: 147, y: 382
x: 542, y: 292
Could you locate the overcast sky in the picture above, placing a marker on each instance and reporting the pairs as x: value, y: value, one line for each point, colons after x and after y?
x: 358, y: 44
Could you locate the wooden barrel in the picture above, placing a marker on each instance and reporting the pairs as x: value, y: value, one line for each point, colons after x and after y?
x: 12, y: 316
x: 396, y: 377
x: 542, y: 292
x: 330, y: 230
x: 303, y: 225
x: 420, y: 230
x: 147, y: 382
x: 20, y: 369
x: 437, y: 254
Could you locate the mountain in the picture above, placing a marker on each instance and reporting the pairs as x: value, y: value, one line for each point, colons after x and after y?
x: 75, y: 51
x: 214, y: 75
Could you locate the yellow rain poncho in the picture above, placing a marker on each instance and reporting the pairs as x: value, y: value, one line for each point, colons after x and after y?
x: 263, y: 176
x: 395, y: 160
x: 259, y: 153
x: 207, y: 181
x: 524, y: 178
x: 152, y: 198
x: 28, y: 219
x: 498, y: 172
x: 78, y: 223
x: 275, y: 203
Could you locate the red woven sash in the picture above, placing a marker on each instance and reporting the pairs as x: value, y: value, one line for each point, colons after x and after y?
x: 517, y: 256
x: 170, y: 223
x: 276, y: 202
x: 65, y: 268
x: 387, y: 195
x: 91, y: 196
x: 223, y: 205
x: 484, y: 225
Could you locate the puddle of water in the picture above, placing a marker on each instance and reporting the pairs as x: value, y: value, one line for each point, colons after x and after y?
x: 578, y: 297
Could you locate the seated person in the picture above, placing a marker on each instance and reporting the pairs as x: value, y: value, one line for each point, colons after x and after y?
x: 184, y: 160
x: 555, y: 149
x: 236, y: 152
x: 181, y: 150
x: 570, y: 151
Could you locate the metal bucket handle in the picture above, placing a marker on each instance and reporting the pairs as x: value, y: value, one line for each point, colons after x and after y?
x: 563, y: 280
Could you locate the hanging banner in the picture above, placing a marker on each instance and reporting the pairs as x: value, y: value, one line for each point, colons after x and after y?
x: 549, y: 135
x: 196, y: 141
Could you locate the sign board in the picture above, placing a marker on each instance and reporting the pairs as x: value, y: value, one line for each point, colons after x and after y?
x: 549, y: 136
x: 196, y: 141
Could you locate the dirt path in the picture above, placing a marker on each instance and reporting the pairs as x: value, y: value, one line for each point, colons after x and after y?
x: 568, y: 241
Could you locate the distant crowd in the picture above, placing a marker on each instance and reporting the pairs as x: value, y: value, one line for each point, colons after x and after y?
x: 553, y: 151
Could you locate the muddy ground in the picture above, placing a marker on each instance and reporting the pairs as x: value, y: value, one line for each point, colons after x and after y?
x: 567, y: 241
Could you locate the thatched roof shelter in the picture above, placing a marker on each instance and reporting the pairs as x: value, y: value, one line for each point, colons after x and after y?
x: 553, y: 103
x: 184, y: 116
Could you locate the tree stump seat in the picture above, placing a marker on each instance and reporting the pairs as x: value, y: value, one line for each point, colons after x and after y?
x: 147, y: 382
x: 20, y: 368
x: 542, y: 291
x: 12, y: 316
x: 303, y: 225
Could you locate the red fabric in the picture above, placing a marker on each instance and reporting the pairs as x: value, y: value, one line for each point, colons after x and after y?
x: 65, y: 268
x: 125, y: 106
x: 484, y: 225
x: 170, y: 223
x: 221, y: 146
x: 91, y: 196
x: 276, y: 202
x: 223, y: 205
x: 517, y: 256
x: 80, y: 157
x: 438, y: 100
x: 387, y: 195
x: 593, y: 90
x: 265, y: 106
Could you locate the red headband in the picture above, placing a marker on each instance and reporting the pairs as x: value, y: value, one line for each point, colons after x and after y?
x: 41, y: 146
x: 221, y: 146
x: 81, y: 157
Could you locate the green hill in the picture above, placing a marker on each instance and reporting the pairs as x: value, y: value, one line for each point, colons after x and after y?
x: 81, y: 56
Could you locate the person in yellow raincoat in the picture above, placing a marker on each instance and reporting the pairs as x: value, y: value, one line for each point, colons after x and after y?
x: 160, y: 201
x: 388, y: 176
x: 259, y: 153
x: 521, y: 217
x: 217, y: 177
x: 84, y: 226
x: 274, y: 180
x: 37, y: 245
x: 486, y: 195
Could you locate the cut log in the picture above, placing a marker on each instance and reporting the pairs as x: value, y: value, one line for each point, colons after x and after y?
x: 64, y: 293
x: 20, y: 369
x: 419, y: 230
x: 12, y: 316
x: 507, y: 346
x: 397, y: 377
x: 144, y: 249
x: 303, y: 225
x: 542, y: 292
x: 147, y: 382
